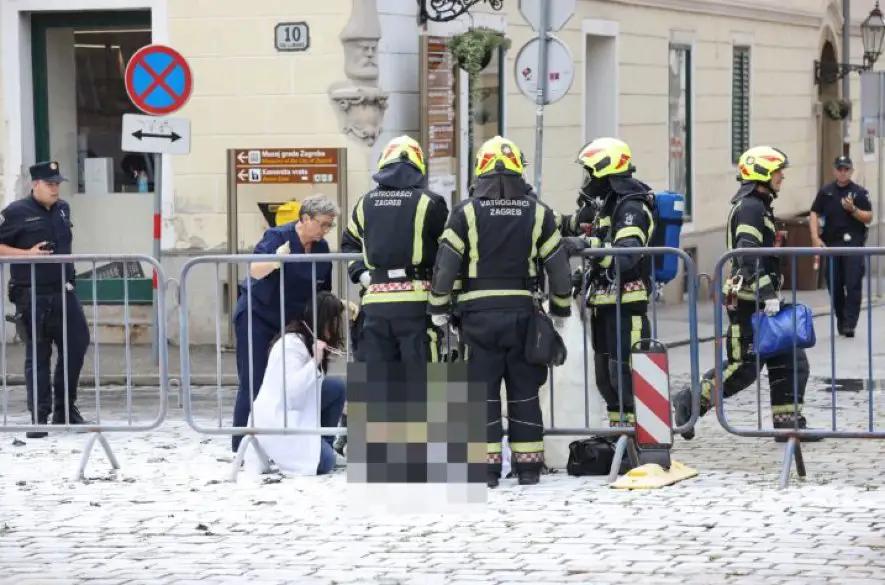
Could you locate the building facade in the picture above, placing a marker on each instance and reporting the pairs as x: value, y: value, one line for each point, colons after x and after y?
x: 688, y: 84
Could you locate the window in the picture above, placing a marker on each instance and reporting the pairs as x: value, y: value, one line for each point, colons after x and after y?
x: 740, y: 102
x: 101, y: 57
x: 680, y: 123
x: 79, y: 60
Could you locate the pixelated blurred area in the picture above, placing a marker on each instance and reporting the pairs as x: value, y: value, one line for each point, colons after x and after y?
x: 415, y: 423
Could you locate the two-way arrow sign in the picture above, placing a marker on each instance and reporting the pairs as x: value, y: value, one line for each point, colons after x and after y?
x: 141, y: 135
x: 157, y: 135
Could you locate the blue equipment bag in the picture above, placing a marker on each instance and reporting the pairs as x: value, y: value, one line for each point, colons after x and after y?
x: 669, y: 214
x: 668, y: 210
x: 775, y: 335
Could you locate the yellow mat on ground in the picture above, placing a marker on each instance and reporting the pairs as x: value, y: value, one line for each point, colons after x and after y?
x: 652, y: 476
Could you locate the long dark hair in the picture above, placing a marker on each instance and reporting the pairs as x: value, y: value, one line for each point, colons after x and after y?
x: 328, y: 325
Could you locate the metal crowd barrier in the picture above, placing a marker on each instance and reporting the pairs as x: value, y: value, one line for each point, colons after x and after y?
x: 794, y: 437
x: 624, y: 431
x: 63, y: 349
x: 248, y: 431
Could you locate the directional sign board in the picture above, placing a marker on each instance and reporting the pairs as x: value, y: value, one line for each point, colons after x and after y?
x: 559, y: 13
x: 158, y: 80
x: 157, y: 135
x: 287, y: 165
x: 560, y: 69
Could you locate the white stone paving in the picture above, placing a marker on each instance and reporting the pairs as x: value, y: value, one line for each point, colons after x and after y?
x: 169, y: 518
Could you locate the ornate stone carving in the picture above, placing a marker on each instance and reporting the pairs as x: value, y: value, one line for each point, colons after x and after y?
x: 360, y: 102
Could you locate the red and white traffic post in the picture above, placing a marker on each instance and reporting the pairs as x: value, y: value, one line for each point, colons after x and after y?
x: 651, y: 392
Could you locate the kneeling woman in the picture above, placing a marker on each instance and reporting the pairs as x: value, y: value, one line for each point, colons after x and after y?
x: 296, y: 393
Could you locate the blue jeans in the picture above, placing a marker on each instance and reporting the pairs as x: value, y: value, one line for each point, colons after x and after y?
x: 333, y: 394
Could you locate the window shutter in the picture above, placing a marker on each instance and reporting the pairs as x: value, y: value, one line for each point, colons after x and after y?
x: 740, y: 102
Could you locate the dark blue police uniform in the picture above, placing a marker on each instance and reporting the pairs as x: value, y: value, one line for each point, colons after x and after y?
x: 841, y: 229
x: 24, y: 224
x: 299, y: 290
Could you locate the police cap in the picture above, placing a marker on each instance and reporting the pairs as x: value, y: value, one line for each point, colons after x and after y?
x: 47, y: 171
x: 843, y: 162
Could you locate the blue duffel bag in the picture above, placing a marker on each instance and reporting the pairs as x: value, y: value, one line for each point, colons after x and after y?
x: 776, y: 335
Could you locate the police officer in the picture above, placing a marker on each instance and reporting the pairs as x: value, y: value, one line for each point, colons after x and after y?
x: 39, y: 225
x: 256, y: 330
x: 396, y: 227
x: 625, y: 220
x: 495, y: 242
x: 750, y: 225
x: 843, y: 209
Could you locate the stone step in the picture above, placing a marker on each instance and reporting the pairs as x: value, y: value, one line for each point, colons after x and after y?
x: 112, y: 324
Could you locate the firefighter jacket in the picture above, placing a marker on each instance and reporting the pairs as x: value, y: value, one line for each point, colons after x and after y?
x: 624, y: 221
x: 751, y: 225
x: 496, y: 243
x: 396, y: 227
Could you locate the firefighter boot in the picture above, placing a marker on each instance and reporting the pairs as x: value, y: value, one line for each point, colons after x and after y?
x: 493, y: 475
x: 788, y: 421
x: 493, y: 469
x: 529, y: 476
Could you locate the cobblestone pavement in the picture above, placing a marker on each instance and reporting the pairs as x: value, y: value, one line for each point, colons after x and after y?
x: 168, y: 517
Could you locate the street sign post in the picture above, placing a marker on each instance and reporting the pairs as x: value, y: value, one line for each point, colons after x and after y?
x: 156, y: 135
x: 559, y: 13
x: 872, y: 106
x: 544, y: 16
x: 159, y: 82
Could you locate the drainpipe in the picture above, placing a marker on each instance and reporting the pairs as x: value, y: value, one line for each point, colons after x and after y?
x: 846, y: 81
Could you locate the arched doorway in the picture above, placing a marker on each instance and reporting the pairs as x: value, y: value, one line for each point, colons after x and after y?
x: 829, y: 130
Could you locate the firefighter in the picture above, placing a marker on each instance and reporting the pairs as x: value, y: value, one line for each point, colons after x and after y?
x: 754, y: 281
x: 625, y: 220
x: 396, y: 227
x: 496, y: 242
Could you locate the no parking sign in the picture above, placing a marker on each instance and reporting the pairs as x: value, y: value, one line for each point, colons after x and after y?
x: 158, y: 80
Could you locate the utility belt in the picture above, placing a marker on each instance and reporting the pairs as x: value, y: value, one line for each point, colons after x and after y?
x: 845, y: 239
x: 20, y: 293
x: 400, y: 275
x: 476, y: 284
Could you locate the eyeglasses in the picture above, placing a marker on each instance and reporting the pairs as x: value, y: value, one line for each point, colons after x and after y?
x: 326, y: 225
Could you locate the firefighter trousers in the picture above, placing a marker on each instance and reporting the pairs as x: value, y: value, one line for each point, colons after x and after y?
x: 386, y: 337
x: 740, y: 369
x: 608, y: 332
x: 496, y: 342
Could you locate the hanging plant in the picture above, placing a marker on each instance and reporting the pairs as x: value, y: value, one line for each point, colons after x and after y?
x: 837, y: 109
x: 473, y: 51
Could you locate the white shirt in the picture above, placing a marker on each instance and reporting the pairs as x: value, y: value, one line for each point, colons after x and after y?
x: 293, y: 454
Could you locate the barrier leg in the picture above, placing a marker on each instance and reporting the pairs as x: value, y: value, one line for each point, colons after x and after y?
x: 792, y: 452
x: 624, y: 445
x: 241, y: 454
x: 87, y: 453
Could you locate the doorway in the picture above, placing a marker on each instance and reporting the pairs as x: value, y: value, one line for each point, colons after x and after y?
x: 78, y: 63
x: 829, y: 130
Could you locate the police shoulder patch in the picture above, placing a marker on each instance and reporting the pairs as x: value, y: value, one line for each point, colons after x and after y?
x: 629, y: 218
x: 2, y: 217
